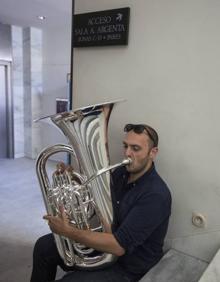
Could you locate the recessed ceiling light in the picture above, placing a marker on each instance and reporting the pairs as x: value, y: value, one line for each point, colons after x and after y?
x: 41, y: 18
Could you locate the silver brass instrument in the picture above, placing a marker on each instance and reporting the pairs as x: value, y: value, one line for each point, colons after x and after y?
x: 85, y: 193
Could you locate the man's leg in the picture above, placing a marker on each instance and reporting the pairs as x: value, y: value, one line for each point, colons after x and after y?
x: 111, y: 274
x: 46, y: 259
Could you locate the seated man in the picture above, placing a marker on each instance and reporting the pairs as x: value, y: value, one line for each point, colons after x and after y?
x: 141, y: 205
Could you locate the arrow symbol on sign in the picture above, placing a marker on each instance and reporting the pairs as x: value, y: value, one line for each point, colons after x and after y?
x: 119, y: 17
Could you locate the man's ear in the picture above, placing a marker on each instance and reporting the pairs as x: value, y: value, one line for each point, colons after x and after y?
x: 153, y: 152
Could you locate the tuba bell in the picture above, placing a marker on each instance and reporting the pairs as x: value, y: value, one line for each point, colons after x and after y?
x: 83, y: 192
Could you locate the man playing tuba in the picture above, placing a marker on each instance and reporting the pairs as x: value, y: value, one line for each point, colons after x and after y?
x: 141, y: 210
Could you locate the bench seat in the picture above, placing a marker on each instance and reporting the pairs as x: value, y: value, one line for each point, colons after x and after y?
x: 176, y: 266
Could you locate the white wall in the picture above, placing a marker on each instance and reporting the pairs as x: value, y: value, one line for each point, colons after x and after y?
x: 18, y: 90
x: 169, y: 75
x: 56, y: 65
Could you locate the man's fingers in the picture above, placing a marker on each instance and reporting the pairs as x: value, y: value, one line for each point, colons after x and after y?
x: 47, y: 217
x: 63, y: 214
x: 61, y: 209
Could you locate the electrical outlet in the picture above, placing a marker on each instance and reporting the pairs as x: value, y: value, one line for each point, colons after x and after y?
x: 199, y: 220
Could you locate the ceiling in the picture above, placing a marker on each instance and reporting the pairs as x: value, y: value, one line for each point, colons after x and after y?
x: 25, y: 12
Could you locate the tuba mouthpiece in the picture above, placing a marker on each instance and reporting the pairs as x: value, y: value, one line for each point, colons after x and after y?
x: 127, y: 161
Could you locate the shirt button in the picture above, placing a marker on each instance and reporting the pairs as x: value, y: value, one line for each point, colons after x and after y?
x: 118, y: 202
x: 134, y: 184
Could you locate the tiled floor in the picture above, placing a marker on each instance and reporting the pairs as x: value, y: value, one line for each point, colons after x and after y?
x: 21, y: 223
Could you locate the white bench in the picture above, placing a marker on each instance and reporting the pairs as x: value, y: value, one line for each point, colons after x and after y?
x: 212, y: 272
x: 176, y: 266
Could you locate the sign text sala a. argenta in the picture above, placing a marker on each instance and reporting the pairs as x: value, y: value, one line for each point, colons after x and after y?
x: 109, y: 27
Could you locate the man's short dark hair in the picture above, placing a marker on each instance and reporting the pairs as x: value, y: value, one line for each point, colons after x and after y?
x: 140, y: 128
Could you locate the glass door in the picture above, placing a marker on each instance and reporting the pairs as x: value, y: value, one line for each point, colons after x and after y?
x: 3, y: 114
x: 6, y: 112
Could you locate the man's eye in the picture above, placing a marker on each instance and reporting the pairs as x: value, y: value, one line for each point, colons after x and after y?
x: 125, y: 146
x: 136, y: 148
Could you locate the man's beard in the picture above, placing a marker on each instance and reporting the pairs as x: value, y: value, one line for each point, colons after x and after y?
x: 140, y: 169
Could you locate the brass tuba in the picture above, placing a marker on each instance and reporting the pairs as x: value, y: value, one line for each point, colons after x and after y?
x: 85, y: 192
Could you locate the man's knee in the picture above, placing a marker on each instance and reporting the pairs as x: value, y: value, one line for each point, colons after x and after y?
x: 44, y: 245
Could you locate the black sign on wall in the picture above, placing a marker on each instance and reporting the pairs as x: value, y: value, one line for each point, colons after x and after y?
x: 101, y: 28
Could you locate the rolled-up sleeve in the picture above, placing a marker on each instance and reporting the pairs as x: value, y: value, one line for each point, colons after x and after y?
x: 141, y: 220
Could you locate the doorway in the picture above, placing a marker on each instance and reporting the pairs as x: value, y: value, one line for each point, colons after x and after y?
x: 6, y: 112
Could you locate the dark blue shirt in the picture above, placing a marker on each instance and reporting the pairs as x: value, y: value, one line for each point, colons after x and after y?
x: 141, y: 213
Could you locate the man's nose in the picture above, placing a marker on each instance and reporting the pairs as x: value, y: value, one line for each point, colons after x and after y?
x: 128, y: 152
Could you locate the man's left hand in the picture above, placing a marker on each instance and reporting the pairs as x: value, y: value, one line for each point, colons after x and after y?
x: 59, y: 224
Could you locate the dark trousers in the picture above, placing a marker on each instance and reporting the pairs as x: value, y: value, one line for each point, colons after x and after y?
x: 46, y: 259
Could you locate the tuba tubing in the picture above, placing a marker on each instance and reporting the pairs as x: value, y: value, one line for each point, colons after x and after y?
x: 85, y: 193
